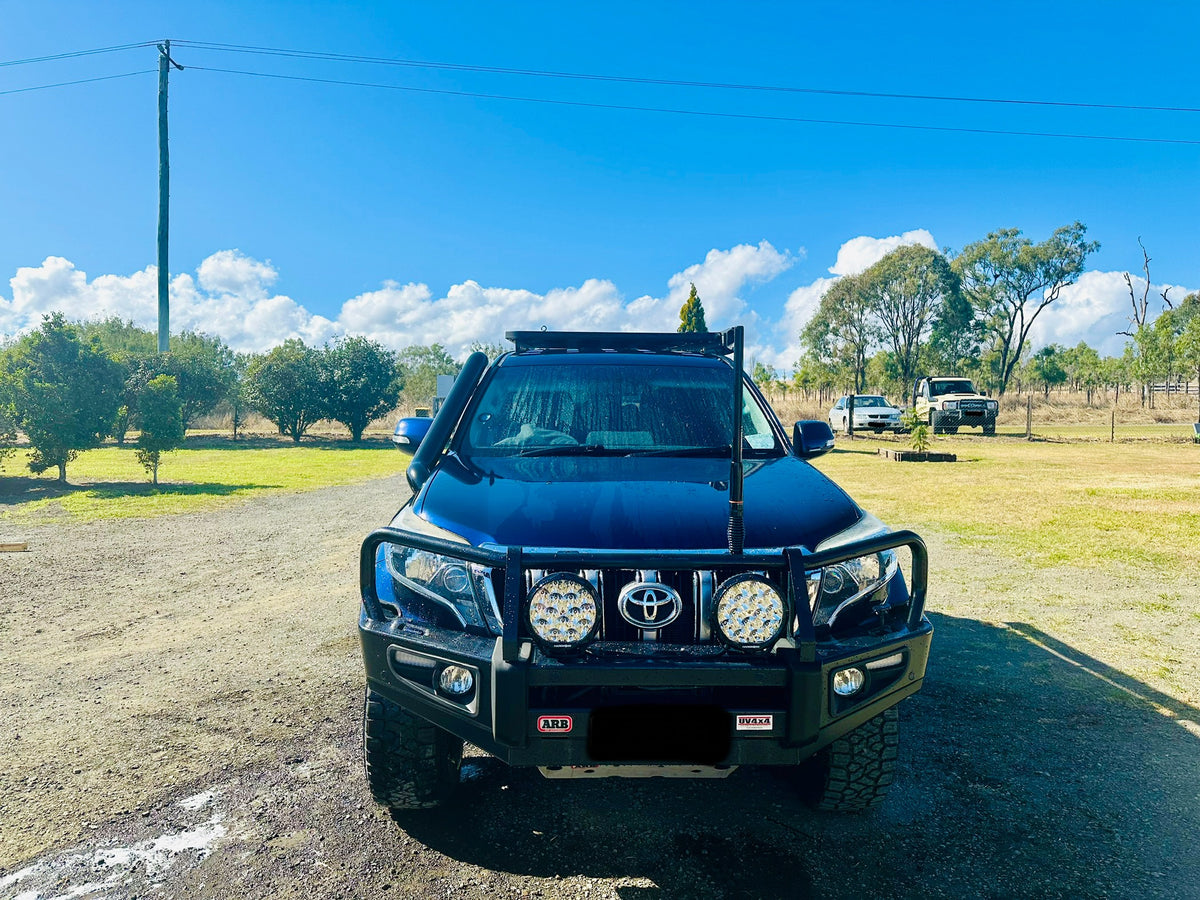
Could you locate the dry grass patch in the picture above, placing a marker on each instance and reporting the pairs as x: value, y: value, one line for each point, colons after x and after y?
x: 1113, y: 505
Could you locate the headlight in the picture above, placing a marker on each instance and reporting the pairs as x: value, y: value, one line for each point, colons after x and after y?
x: 453, y: 584
x: 845, y: 583
x: 950, y: 404
x: 749, y: 611
x: 993, y: 405
x: 561, y: 610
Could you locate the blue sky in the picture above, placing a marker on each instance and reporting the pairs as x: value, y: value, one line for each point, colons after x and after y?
x: 317, y: 209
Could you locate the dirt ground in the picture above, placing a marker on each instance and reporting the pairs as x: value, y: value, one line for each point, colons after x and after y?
x: 182, y: 702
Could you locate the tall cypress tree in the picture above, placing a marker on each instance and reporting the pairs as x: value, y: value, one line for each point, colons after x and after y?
x: 691, y: 314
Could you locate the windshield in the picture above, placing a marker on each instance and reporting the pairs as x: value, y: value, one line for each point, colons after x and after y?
x: 947, y: 386
x: 616, y: 409
x: 868, y: 402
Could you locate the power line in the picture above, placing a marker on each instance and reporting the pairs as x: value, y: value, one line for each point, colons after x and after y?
x: 74, y: 53
x: 629, y: 79
x: 701, y: 113
x: 45, y: 87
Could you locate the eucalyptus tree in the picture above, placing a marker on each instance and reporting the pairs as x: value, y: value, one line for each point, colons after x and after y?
x: 420, y: 366
x: 1084, y: 368
x: 1010, y: 280
x: 1187, y: 345
x: 1046, y: 367
x: 906, y: 293
x: 843, y: 332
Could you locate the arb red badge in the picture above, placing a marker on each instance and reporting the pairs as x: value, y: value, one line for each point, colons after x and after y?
x: 554, y: 724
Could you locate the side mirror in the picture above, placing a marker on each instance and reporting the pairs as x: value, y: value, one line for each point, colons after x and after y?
x: 410, y: 432
x: 811, y: 438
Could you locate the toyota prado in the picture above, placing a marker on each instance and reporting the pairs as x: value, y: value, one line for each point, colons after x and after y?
x: 616, y: 562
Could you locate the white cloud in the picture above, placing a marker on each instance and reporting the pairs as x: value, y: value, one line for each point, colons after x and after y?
x: 55, y: 284
x: 230, y: 295
x: 1094, y: 309
x: 721, y: 276
x: 799, y: 308
x: 233, y: 273
x: 860, y: 253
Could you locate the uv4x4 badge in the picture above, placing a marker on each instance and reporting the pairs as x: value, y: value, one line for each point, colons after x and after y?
x: 555, y: 724
x: 755, y: 723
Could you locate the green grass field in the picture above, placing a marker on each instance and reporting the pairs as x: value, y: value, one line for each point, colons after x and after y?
x: 1048, y: 503
x: 109, y: 483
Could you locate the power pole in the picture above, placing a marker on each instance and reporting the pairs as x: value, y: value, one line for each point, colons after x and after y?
x: 164, y: 190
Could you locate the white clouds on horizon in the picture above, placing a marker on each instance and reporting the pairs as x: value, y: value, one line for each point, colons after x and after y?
x: 231, y: 296
x: 1094, y: 309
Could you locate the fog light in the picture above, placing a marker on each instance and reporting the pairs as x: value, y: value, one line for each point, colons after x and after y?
x: 456, y: 681
x: 848, y: 681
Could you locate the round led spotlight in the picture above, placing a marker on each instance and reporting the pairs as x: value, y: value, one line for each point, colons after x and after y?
x: 561, y: 610
x: 848, y: 681
x: 748, y: 612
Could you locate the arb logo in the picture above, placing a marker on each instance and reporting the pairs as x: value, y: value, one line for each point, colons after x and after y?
x: 554, y: 724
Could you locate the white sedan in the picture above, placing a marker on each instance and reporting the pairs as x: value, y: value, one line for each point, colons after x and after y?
x: 870, y: 411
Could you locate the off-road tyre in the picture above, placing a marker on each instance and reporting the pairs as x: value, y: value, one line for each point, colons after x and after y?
x: 990, y: 430
x: 853, y: 773
x: 410, y: 762
x: 935, y: 422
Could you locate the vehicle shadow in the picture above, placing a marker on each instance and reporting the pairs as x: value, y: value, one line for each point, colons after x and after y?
x: 1027, y: 769
x: 21, y: 489
x: 282, y: 442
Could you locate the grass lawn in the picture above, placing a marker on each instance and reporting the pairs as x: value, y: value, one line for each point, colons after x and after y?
x: 109, y: 483
x: 1047, y: 503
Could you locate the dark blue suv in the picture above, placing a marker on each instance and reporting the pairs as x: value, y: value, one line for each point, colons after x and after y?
x: 615, y: 562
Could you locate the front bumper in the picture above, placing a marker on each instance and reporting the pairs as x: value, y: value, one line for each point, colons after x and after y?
x: 675, y: 704
x: 778, y: 710
x: 971, y: 418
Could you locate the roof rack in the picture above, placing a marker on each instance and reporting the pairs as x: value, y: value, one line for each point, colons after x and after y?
x: 718, y: 343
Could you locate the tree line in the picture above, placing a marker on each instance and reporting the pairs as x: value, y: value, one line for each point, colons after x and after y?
x: 920, y: 311
x: 70, y: 386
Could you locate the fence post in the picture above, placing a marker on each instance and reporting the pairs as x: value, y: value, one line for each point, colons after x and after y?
x: 1029, y: 417
x: 1112, y: 429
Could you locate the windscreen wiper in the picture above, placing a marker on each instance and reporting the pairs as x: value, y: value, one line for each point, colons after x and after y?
x: 570, y: 450
x: 721, y: 450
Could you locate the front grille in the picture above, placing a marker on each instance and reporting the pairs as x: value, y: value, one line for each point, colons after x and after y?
x: 695, y: 588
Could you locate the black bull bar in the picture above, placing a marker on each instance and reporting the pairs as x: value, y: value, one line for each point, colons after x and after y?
x: 511, y: 670
x: 796, y: 562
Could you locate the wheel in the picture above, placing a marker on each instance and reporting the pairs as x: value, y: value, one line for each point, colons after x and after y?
x: 951, y: 429
x: 853, y: 773
x: 989, y: 429
x: 934, y: 421
x: 410, y: 762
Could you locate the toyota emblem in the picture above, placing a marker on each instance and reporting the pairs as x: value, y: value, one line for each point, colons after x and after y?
x: 649, y: 606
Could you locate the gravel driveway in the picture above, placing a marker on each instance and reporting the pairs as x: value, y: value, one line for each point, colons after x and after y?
x: 181, y: 718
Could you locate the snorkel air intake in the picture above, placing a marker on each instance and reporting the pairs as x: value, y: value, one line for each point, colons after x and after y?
x: 443, y: 423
